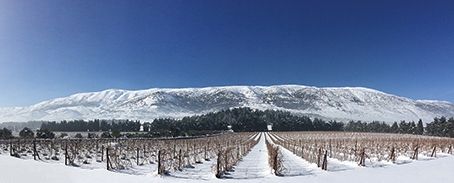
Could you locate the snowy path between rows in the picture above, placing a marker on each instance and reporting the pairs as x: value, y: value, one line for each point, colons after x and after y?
x: 254, y: 164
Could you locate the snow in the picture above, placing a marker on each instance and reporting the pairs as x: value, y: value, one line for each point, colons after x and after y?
x: 203, y: 171
x: 340, y: 103
x: 294, y: 165
x: 335, y: 165
x: 254, y: 164
x: 13, y: 170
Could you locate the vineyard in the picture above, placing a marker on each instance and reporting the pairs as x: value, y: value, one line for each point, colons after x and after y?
x: 234, y: 155
x: 339, y: 151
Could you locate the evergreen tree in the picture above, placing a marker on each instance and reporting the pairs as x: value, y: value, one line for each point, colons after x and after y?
x: 26, y: 133
x: 404, y: 127
x: 450, y: 127
x: 420, y: 128
x: 5, y: 134
x: 395, y: 128
x: 45, y: 134
x: 411, y: 128
x: 441, y: 127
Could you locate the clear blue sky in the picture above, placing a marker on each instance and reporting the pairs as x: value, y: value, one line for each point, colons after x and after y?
x: 56, y: 48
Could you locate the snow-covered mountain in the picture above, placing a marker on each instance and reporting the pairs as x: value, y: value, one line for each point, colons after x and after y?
x: 343, y: 103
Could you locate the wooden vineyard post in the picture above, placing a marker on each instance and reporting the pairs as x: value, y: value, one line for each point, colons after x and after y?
x: 434, y: 152
x: 319, y: 157
x: 392, y: 156
x: 160, y: 167
x: 102, y: 153
x: 174, y: 149
x: 450, y: 149
x: 66, y: 153
x: 415, y: 154
x: 205, y: 154
x: 325, y: 161
x: 34, y: 150
x: 137, y: 156
x: 362, y: 158
x: 18, y: 145
x: 108, y: 159
x: 10, y: 147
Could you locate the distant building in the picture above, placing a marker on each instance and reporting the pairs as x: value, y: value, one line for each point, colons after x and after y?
x: 269, y: 127
x: 229, y: 128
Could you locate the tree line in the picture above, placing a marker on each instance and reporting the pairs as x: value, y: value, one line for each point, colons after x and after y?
x: 239, y: 120
x: 244, y: 119
x: 441, y: 127
x: 382, y: 127
x: 247, y: 119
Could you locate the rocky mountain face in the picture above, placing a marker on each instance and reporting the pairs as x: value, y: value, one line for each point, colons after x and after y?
x: 342, y: 103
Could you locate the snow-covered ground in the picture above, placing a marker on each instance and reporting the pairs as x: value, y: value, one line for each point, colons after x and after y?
x: 203, y: 171
x: 253, y: 168
x: 13, y: 170
x: 295, y: 165
x: 254, y: 164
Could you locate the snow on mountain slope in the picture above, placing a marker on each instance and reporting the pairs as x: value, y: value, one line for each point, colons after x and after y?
x: 343, y: 103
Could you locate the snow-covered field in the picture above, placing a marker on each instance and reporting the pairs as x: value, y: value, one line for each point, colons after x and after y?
x: 253, y: 168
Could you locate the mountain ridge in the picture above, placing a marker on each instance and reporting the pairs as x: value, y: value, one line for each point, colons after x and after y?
x: 337, y: 103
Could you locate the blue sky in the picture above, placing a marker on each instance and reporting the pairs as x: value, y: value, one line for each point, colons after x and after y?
x: 56, y: 48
